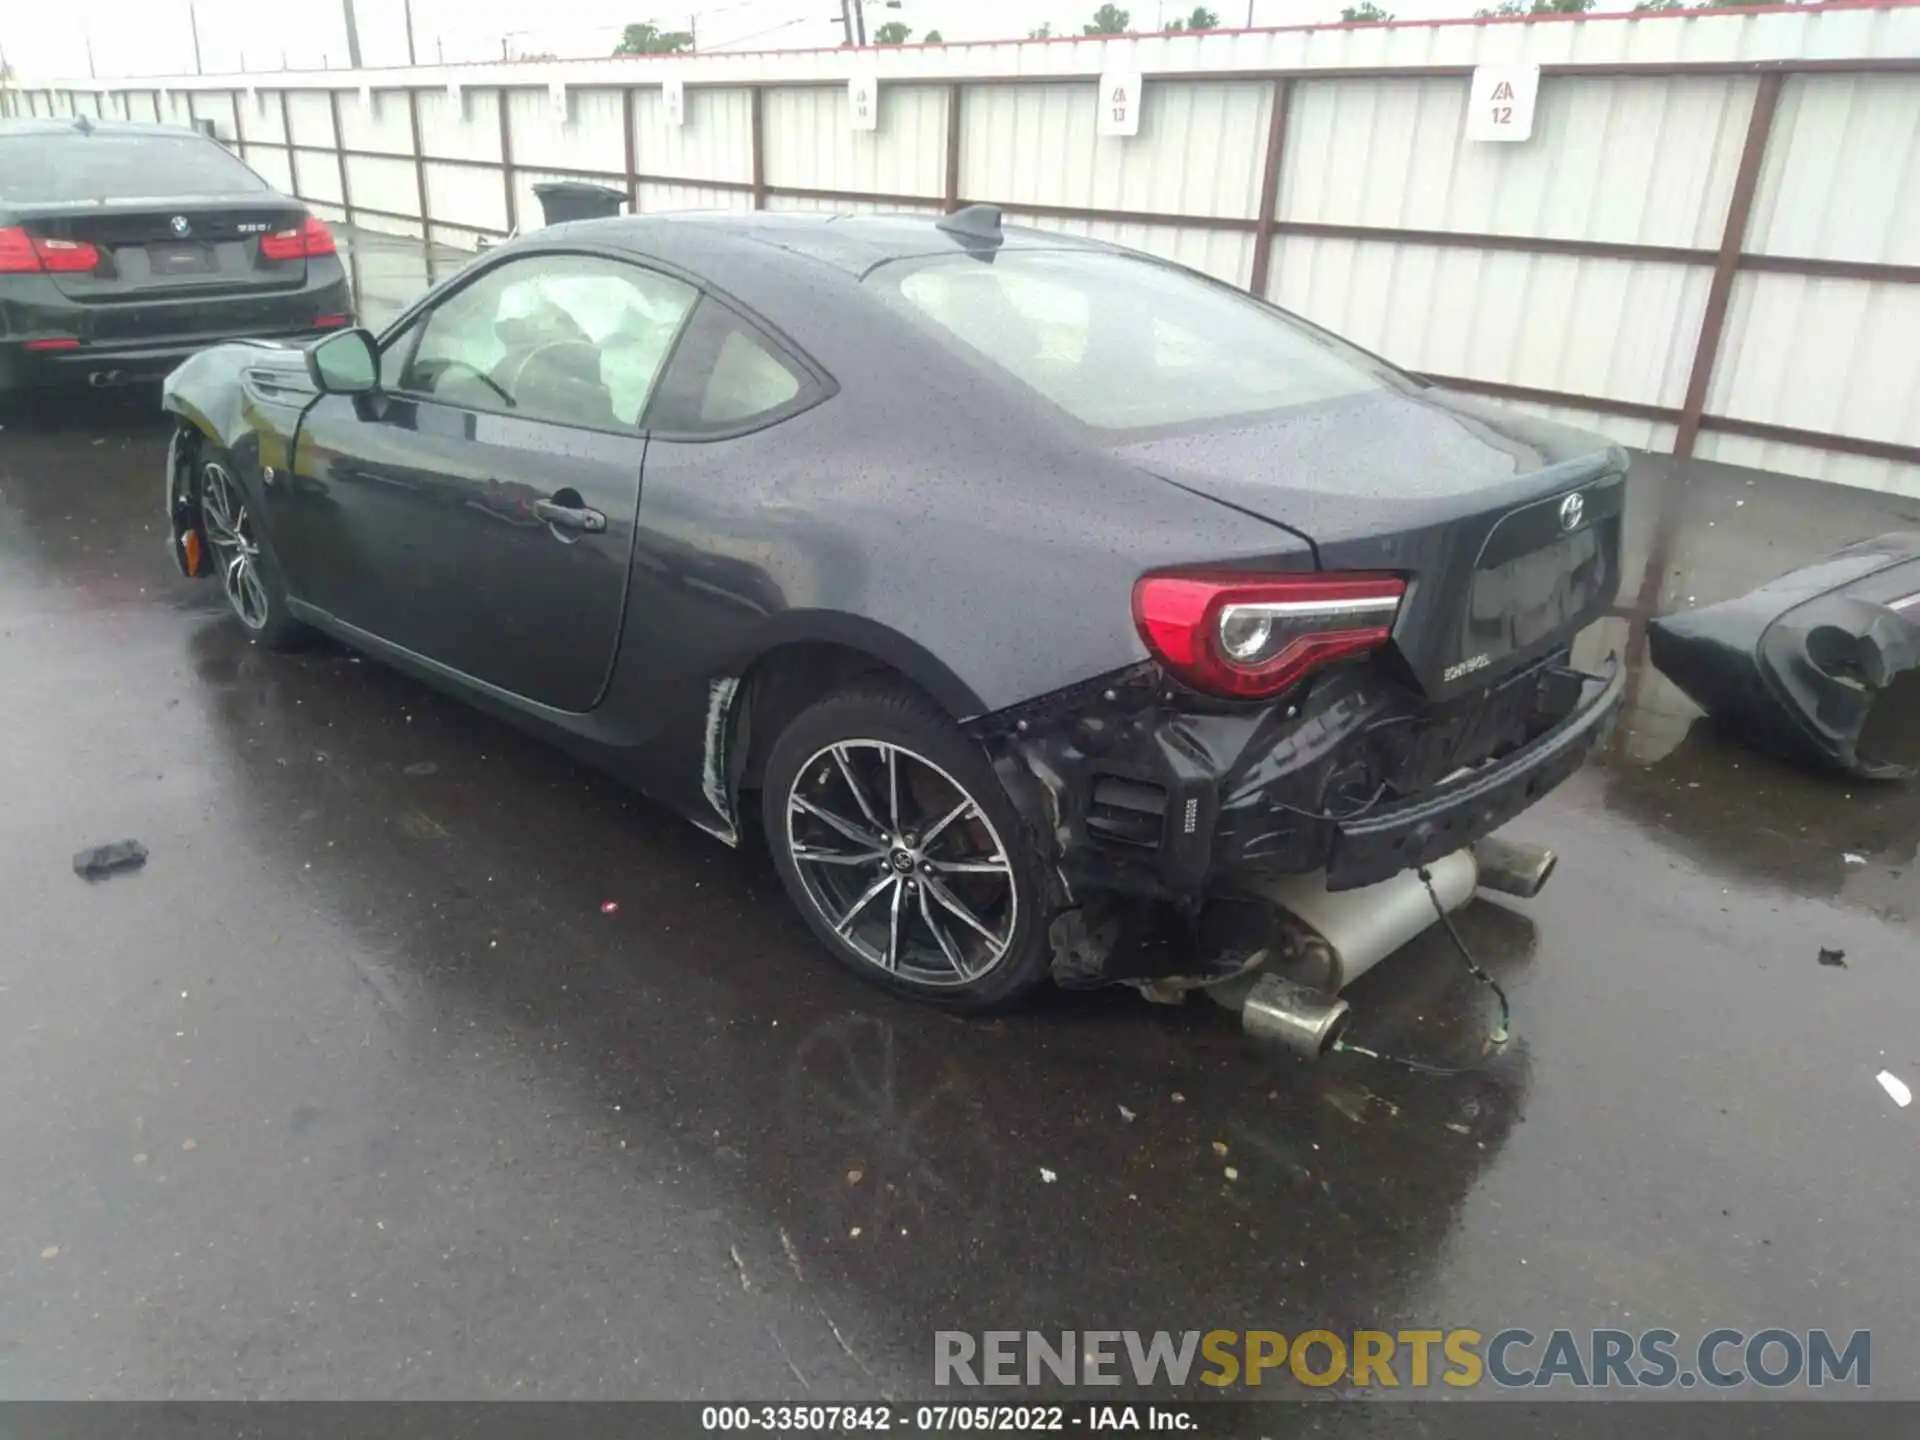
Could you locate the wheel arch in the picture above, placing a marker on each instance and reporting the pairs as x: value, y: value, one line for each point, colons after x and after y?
x: 810, y: 663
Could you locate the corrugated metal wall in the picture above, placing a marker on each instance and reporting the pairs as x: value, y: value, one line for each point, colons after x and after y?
x: 1496, y: 266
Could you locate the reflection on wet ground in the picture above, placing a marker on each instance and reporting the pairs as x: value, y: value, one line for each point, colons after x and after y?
x: 356, y: 1090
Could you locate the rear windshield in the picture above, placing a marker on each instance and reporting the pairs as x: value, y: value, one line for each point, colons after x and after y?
x: 1122, y: 343
x: 60, y: 169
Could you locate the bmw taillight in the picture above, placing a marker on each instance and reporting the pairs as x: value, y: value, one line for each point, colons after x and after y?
x: 301, y: 242
x: 21, y: 253
x: 1250, y: 636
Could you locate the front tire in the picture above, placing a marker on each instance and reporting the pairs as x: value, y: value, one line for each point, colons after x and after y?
x: 901, y: 849
x: 243, y: 562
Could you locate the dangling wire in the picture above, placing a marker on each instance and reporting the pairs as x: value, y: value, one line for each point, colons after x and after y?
x: 1495, y: 1038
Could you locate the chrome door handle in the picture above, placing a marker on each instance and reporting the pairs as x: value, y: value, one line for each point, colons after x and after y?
x: 571, y: 517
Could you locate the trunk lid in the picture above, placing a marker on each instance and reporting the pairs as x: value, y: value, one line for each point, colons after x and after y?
x: 1507, y: 528
x: 168, y: 251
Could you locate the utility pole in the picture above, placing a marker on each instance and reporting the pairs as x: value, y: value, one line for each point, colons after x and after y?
x: 846, y: 19
x: 407, y: 7
x: 353, y: 34
x: 693, y: 32
x: 860, y: 21
x: 193, y: 29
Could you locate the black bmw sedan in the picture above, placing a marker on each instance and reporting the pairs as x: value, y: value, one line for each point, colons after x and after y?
x: 1022, y: 591
x: 126, y: 247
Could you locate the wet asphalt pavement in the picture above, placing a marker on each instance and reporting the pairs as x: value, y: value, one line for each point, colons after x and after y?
x: 355, y: 1091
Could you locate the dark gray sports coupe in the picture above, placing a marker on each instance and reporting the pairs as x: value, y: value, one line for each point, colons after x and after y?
x: 1041, y: 592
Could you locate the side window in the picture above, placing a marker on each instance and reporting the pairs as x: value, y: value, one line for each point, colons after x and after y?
x: 573, y: 339
x: 728, y: 376
x: 394, y: 358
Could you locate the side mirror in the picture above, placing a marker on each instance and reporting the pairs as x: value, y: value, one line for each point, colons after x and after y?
x: 345, y: 364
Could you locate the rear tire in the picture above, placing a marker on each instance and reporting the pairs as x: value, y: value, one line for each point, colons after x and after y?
x: 243, y: 562
x: 902, y: 851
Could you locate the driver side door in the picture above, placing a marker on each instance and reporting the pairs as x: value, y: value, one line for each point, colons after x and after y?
x: 478, y: 509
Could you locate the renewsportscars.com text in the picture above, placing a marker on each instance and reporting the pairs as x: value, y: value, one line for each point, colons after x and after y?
x: 1389, y: 1359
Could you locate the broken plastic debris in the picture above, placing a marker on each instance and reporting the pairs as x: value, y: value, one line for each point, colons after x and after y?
x: 1896, y: 1087
x: 1231, y: 1173
x: 1126, y: 1114
x: 1047, y: 1177
x: 610, y: 907
x: 1853, y: 859
x: 1220, y: 1147
x: 104, y: 860
x: 1833, y: 957
x: 1821, y: 666
x: 52, y: 1252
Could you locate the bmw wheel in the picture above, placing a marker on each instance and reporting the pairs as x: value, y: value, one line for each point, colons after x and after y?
x: 902, y: 850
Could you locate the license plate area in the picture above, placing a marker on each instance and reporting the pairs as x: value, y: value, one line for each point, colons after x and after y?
x: 174, y: 260
x: 1520, y: 601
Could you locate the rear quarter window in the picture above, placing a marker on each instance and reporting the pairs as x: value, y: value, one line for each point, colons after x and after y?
x: 68, y: 169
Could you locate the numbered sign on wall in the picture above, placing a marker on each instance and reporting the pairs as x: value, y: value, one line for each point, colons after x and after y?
x: 1119, y: 103
x: 1500, y: 106
x: 673, y: 101
x: 863, y: 102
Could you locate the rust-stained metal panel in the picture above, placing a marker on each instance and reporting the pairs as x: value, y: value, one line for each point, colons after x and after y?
x: 1200, y: 149
x: 1503, y: 316
x: 810, y: 142
x: 1842, y: 176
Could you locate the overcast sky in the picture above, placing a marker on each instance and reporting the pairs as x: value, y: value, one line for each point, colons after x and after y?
x: 148, y: 37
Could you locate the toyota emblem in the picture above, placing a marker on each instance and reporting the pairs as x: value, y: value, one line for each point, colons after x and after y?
x: 181, y: 226
x: 1572, y: 511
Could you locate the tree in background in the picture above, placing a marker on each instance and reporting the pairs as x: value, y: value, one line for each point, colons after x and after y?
x: 1041, y: 32
x: 934, y: 37
x: 894, y: 32
x: 650, y: 39
x: 1366, y: 10
x: 1108, y: 20
x: 1537, y: 7
x: 1201, y: 19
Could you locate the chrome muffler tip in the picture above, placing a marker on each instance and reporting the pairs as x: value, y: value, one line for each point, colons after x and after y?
x: 1512, y: 867
x: 1293, y: 1016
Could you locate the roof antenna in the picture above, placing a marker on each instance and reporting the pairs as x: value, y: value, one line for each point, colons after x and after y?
x: 977, y: 223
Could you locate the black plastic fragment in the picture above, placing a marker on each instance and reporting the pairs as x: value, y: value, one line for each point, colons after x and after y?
x: 1821, y: 666
x: 104, y: 860
x: 1833, y: 957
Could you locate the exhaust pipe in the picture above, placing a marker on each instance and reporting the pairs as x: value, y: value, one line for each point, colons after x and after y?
x: 1333, y: 937
x: 1293, y: 1016
x: 1513, y: 868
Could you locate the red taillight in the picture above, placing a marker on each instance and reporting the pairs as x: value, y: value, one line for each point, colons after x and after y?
x: 305, y: 240
x: 328, y: 322
x: 21, y: 253
x: 1249, y: 636
x: 58, y: 342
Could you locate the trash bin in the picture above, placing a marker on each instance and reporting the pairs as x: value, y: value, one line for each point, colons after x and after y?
x: 564, y: 200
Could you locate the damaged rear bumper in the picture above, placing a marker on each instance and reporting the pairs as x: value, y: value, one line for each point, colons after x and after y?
x: 1385, y: 841
x: 1157, y: 794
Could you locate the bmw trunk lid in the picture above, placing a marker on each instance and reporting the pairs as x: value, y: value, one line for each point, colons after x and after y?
x: 152, y: 250
x: 1505, y: 527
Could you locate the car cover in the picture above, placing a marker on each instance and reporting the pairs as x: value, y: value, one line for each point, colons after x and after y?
x: 1821, y: 666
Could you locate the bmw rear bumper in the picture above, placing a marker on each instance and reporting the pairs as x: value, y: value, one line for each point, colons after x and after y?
x: 133, y: 341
